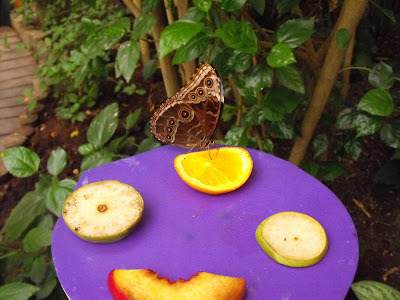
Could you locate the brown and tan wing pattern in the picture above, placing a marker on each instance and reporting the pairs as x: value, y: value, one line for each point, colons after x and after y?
x: 191, y: 116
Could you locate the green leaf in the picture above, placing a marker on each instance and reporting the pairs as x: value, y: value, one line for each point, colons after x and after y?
x: 149, y: 69
x: 387, y: 12
x: 147, y: 144
x: 258, y: 6
x: 342, y: 38
x: 280, y: 56
x: 320, y: 144
x: 112, y: 31
x: 46, y: 221
x: 36, y: 239
x: 177, y: 34
x: 21, y: 161
x: 377, y: 102
x: 238, y: 35
x: 255, y: 116
x: 346, y: 119
x: 127, y: 58
x: 290, y: 78
x: 231, y: 5
x: 282, y: 129
x: 96, y: 159
x: 103, y: 126
x: 38, y: 270
x: 279, y: 102
x: 284, y: 6
x: 148, y: 6
x: 267, y: 146
x: 88, y: 25
x: 330, y: 170
x: 353, y: 147
x: 47, y: 288
x: 367, y: 124
x: 390, y: 133
x: 142, y: 25
x: 368, y: 289
x: 251, y: 84
x: 17, y: 291
x: 295, y: 32
x: 57, y: 161
x: 192, y: 49
x: 86, y: 149
x: 236, y: 136
x: 58, y: 194
x: 229, y: 111
x: 132, y: 118
x: 194, y: 14
x: 381, y: 76
x: 202, y: 5
x: 310, y: 167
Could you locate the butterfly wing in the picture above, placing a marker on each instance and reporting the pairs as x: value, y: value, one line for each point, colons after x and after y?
x: 190, y: 117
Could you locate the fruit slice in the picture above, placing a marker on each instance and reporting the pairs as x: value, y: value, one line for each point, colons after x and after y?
x: 146, y: 285
x: 292, y: 239
x: 104, y: 211
x: 215, y: 171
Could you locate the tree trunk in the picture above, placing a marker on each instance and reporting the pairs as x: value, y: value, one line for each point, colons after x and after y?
x: 350, y: 15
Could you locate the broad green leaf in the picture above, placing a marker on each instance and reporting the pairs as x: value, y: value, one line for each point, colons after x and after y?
x: 295, y: 32
x: 231, y: 5
x: 132, y: 118
x: 127, y: 58
x: 377, y: 102
x: 202, y: 5
x: 236, y: 136
x: 88, y: 25
x: 346, y: 119
x: 36, y: 239
x: 149, y: 69
x: 381, y: 76
x: 290, y: 78
x: 192, y: 49
x: 57, y: 161
x: 284, y: 6
x: 194, y: 14
x: 258, y: 6
x: 103, y: 126
x: 86, y: 149
x: 282, y: 129
x: 47, y: 288
x: 267, y: 146
x: 367, y: 124
x: 310, y: 167
x: 342, y: 38
x: 255, y: 116
x: 231, y: 60
x: 142, y: 25
x: 58, y: 194
x: 238, y: 35
x: 148, y: 6
x: 80, y: 74
x: 96, y: 159
x: 38, y: 270
x: 353, y: 147
x: 46, y: 221
x: 251, y: 83
x: 21, y: 161
x: 330, y: 170
x: 26, y: 211
x: 390, y: 133
x: 368, y: 289
x: 147, y: 144
x: 280, y: 56
x: 320, y: 144
x: 279, y: 102
x: 177, y: 34
x: 17, y: 291
x: 229, y: 111
x: 112, y: 31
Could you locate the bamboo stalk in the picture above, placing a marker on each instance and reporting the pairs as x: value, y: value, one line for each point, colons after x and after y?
x: 350, y: 15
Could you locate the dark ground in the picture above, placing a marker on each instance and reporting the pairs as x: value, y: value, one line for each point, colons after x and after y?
x: 376, y: 216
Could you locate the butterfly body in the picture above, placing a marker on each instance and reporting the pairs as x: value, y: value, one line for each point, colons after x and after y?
x: 190, y: 118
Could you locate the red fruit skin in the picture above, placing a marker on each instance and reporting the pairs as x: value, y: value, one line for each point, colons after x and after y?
x: 114, y: 289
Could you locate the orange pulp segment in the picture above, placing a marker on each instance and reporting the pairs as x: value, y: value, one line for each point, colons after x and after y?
x: 215, y: 171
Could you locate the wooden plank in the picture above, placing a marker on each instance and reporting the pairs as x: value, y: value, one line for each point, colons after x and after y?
x: 11, y: 40
x: 16, y: 92
x: 17, y: 73
x: 14, y: 54
x: 8, y: 125
x: 23, y: 80
x: 10, y: 101
x: 16, y: 63
x: 8, y: 112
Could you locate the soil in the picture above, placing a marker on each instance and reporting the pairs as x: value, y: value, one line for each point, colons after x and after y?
x: 376, y: 215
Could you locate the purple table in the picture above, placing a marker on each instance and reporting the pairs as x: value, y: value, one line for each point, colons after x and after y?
x: 183, y: 231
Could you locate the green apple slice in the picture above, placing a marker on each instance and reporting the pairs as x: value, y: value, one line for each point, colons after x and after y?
x: 292, y: 239
x: 104, y: 211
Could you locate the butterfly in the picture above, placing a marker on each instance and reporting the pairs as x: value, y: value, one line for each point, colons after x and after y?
x: 190, y: 118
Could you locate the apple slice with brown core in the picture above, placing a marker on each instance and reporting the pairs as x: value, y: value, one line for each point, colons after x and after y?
x: 146, y: 285
x: 293, y: 239
x: 104, y: 211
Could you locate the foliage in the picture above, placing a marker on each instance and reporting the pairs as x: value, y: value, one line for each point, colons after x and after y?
x: 24, y: 251
x: 369, y: 289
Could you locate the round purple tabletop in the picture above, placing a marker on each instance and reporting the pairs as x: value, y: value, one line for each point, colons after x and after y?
x: 183, y: 231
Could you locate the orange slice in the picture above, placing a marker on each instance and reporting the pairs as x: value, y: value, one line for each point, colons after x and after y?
x: 215, y: 171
